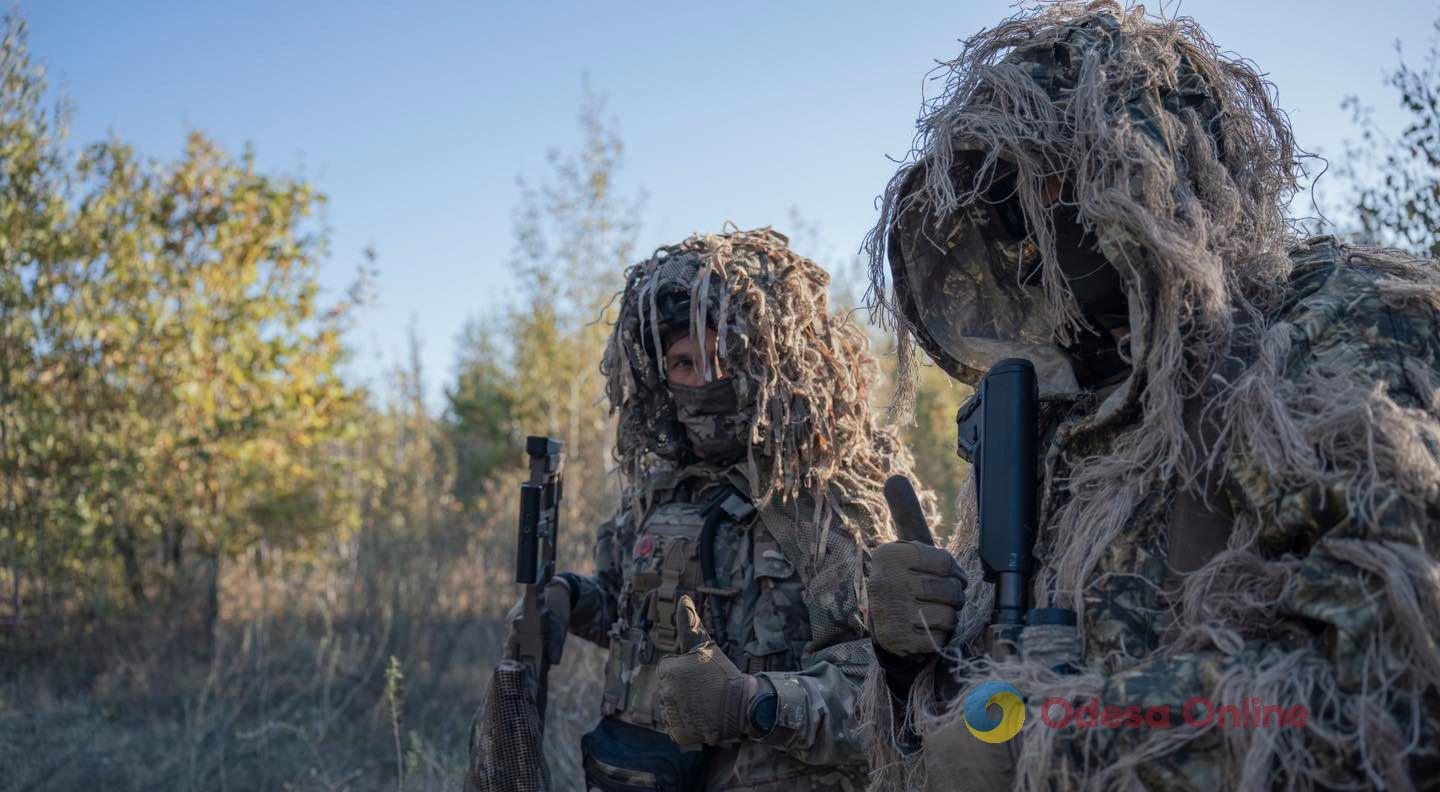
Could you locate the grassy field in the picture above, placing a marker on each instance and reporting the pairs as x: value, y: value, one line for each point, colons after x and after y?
x: 358, y: 676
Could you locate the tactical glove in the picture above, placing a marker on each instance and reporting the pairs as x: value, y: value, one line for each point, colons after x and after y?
x: 915, y: 592
x: 557, y: 622
x: 952, y: 752
x: 705, y: 697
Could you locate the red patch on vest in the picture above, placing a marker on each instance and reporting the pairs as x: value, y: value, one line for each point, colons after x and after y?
x: 645, y: 545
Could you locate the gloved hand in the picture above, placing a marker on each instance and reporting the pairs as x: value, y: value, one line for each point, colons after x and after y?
x: 951, y: 751
x: 915, y: 592
x: 705, y: 697
x: 557, y: 622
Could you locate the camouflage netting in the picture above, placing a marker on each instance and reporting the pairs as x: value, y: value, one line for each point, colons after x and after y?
x: 505, y: 738
x: 1182, y: 166
x: 802, y: 374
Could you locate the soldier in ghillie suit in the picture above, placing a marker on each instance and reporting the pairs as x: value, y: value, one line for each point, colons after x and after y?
x: 726, y: 589
x: 1239, y: 439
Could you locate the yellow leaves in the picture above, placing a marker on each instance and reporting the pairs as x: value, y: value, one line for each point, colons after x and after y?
x: 47, y: 375
x: 190, y: 391
x: 599, y: 182
x: 175, y: 371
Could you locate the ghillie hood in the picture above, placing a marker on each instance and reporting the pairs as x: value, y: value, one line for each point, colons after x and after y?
x: 1173, y: 156
x: 802, y: 374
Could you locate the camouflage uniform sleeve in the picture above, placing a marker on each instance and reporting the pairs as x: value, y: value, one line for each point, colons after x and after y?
x: 818, y: 707
x: 1353, y: 644
x: 595, y: 599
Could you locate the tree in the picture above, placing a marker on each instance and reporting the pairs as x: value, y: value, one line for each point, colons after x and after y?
x: 169, y: 377
x: 535, y: 368
x: 482, y: 408
x: 1394, y: 182
x: 33, y: 214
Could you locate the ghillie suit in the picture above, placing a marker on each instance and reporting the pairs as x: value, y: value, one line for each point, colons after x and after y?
x: 1240, y: 497
x: 802, y: 374
x: 756, y: 496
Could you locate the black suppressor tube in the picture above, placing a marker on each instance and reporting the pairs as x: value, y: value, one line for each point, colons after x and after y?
x: 1006, y: 488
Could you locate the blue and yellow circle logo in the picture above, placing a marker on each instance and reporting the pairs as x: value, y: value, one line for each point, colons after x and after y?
x: 987, y: 727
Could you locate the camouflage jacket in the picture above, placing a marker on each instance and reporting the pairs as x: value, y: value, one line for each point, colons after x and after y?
x: 1344, y: 566
x: 776, y: 609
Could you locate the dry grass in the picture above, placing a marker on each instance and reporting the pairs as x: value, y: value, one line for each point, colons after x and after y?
x: 355, y: 675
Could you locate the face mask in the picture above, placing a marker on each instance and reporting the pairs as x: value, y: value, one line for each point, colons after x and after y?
x: 973, y: 297
x: 715, y: 425
x: 1092, y: 278
x: 1100, y: 293
x: 961, y: 297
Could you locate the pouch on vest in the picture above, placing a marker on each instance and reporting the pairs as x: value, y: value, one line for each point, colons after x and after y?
x: 664, y: 565
x: 620, y: 757
x: 781, y: 620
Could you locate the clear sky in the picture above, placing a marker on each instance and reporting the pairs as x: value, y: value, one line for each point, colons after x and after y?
x: 416, y: 118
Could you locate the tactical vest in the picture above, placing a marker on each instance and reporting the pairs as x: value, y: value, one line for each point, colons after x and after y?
x: 757, y: 616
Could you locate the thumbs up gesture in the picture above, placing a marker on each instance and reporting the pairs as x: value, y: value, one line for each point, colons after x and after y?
x: 705, y: 697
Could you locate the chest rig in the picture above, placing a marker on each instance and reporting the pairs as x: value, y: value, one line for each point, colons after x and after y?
x: 703, y: 549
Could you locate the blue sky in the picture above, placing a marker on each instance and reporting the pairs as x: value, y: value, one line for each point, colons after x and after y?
x: 416, y: 118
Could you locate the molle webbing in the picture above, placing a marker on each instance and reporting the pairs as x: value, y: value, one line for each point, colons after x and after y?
x: 678, y: 558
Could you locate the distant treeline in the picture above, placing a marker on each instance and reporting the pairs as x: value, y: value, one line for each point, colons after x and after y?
x: 170, y: 390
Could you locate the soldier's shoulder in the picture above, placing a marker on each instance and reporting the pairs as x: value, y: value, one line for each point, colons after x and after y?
x: 1329, y: 271
x: 1370, y: 311
x: 657, y: 481
x: 800, y: 507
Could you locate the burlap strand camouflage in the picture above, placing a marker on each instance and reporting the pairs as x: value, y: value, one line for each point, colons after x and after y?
x: 1249, y: 510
